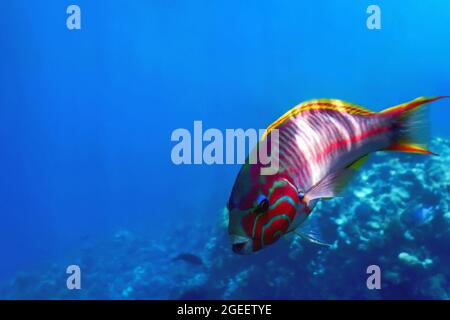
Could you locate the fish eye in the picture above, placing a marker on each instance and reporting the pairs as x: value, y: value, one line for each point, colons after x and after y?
x: 263, y: 204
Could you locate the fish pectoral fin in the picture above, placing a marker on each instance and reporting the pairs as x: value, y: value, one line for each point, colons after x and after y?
x: 330, y: 186
x: 312, y: 238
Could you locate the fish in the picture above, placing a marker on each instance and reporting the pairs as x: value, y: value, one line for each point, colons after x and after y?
x: 418, y: 216
x: 320, y: 144
x: 189, y: 258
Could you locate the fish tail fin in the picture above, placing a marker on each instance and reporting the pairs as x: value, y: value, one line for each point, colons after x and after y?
x: 411, y: 125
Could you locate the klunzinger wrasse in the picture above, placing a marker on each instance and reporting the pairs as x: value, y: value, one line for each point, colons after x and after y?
x: 321, y: 144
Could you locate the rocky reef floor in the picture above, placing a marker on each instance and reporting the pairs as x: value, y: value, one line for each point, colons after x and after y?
x: 394, y: 214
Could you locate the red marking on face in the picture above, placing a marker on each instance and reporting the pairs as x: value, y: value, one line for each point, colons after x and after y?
x: 247, y: 223
x: 269, y: 226
x: 276, y: 229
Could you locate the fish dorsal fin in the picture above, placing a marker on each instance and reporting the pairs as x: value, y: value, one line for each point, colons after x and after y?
x: 330, y: 104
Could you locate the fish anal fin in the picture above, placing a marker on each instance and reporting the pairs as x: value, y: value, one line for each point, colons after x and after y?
x: 355, y: 165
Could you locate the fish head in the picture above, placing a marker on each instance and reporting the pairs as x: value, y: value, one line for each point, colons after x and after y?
x: 261, y: 209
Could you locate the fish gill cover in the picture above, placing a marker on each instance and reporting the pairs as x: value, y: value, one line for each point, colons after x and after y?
x: 378, y: 221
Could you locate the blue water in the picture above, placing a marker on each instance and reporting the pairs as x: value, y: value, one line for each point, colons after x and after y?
x: 86, y: 115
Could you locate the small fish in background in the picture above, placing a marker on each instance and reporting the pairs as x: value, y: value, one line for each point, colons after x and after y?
x: 418, y: 216
x: 321, y: 144
x: 189, y: 258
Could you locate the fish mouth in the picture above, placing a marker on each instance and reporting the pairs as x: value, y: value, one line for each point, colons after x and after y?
x: 241, y: 245
x: 235, y: 239
x: 238, y: 247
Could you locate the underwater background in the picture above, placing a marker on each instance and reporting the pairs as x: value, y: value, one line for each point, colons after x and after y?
x: 86, y: 175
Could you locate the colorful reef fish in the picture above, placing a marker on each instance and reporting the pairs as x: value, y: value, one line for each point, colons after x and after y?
x: 321, y: 143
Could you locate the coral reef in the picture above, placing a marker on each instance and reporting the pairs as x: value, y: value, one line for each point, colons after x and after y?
x: 394, y: 214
